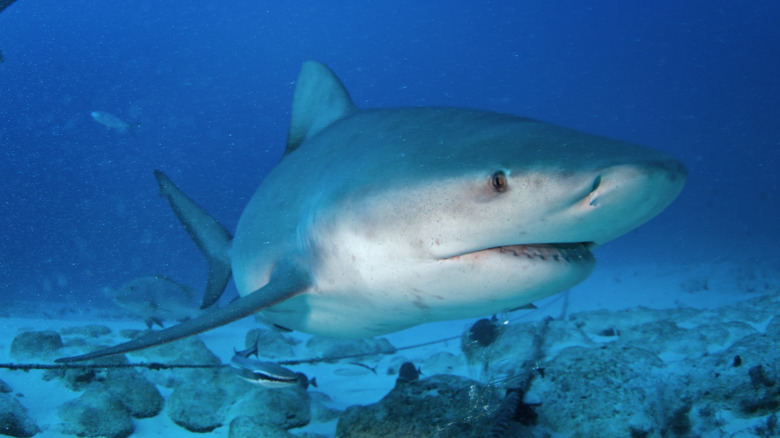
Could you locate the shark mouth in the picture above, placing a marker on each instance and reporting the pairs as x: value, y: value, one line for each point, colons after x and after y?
x: 559, y: 252
x: 555, y: 252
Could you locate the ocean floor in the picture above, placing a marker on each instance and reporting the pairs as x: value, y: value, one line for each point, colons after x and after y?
x: 644, y: 351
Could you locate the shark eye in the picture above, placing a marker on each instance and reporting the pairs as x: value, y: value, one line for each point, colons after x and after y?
x: 498, y: 181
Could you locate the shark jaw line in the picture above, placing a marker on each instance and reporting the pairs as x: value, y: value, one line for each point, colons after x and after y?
x: 554, y: 252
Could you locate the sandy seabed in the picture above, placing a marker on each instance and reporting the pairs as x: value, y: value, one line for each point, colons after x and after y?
x: 702, y: 286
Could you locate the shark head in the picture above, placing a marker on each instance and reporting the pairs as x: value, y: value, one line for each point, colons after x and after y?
x: 477, y: 180
x: 378, y: 220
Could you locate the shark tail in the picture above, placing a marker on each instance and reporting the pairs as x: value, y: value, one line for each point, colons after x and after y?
x: 211, y: 237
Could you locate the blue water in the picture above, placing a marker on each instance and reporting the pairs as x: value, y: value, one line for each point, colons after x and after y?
x: 210, y: 83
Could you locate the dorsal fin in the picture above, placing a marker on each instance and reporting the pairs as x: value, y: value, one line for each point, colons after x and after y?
x: 319, y: 100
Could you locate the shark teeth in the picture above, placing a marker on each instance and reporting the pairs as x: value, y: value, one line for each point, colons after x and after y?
x: 554, y: 252
x: 569, y: 252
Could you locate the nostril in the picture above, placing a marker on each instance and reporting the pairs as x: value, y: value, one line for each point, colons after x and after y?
x: 592, y: 196
x: 596, y: 184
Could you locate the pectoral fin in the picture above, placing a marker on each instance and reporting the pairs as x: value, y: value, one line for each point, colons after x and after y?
x: 287, y: 281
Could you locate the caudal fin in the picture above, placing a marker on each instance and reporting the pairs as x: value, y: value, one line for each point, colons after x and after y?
x: 212, y: 238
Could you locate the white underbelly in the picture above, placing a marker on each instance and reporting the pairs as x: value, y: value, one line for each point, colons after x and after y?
x: 374, y: 299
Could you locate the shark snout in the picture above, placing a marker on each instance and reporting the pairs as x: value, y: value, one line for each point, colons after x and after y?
x: 623, y: 196
x: 657, y: 180
x: 674, y: 169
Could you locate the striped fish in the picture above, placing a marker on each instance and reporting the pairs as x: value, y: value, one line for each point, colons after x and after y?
x: 268, y: 374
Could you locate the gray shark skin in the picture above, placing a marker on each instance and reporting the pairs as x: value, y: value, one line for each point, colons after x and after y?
x: 378, y: 220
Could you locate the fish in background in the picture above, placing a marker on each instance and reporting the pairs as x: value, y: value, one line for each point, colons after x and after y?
x: 156, y: 299
x: 112, y: 121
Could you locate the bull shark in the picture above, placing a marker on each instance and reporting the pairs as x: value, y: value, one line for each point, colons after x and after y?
x: 381, y: 219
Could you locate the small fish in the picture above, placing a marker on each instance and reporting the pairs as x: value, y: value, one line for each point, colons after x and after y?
x: 268, y: 374
x: 372, y: 369
x: 112, y: 122
x: 408, y: 373
x: 483, y: 333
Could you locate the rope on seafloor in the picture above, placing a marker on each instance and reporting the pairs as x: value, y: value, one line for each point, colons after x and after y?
x: 161, y: 366
x: 315, y: 360
x: 149, y: 365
